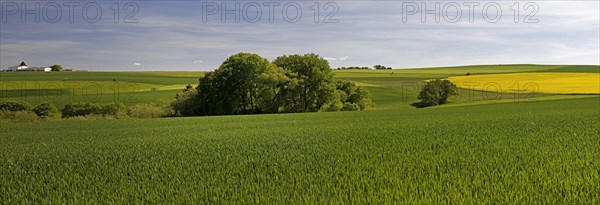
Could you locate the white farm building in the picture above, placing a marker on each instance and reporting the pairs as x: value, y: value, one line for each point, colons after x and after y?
x: 24, y: 67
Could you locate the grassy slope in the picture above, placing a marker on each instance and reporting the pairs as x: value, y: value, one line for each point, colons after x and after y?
x: 495, y: 153
x: 539, y: 149
x: 398, y: 88
x: 129, y: 88
x: 395, y: 88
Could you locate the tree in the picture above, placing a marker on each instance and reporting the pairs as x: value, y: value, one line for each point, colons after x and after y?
x: 248, y: 84
x: 311, y: 84
x: 273, y: 81
x: 245, y: 83
x: 186, y: 103
x: 381, y: 67
x: 56, y: 68
x: 46, y: 110
x: 436, y: 92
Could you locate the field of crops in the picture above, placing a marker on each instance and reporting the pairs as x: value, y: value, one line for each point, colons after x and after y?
x: 548, y: 82
x: 104, y: 87
x: 499, y: 153
x: 523, y: 149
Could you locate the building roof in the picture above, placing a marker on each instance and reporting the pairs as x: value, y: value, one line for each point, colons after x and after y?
x: 23, y: 63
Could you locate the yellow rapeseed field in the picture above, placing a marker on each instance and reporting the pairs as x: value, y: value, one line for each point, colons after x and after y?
x: 555, y: 83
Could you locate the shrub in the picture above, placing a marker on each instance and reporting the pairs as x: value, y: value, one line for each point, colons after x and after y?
x: 147, y: 111
x: 333, y: 106
x: 80, y: 109
x: 91, y: 117
x: 17, y: 116
x: 116, y: 109
x: 350, y: 107
x: 352, y: 96
x: 165, y: 105
x: 15, y: 106
x: 46, y: 111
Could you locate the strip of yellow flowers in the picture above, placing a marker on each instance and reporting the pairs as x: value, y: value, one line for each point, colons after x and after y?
x: 554, y: 83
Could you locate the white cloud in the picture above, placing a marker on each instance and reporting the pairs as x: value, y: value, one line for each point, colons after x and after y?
x: 566, y: 34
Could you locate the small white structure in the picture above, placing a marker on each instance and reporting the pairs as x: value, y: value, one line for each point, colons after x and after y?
x: 24, y: 67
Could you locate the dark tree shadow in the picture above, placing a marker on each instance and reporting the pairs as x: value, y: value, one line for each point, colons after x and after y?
x: 419, y: 105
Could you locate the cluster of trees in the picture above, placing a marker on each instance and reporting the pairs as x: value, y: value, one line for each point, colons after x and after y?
x: 436, y: 92
x: 353, y: 68
x: 380, y: 67
x: 246, y: 83
x: 376, y: 67
x: 56, y: 68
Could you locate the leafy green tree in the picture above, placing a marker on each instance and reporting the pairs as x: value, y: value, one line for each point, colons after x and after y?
x: 186, y: 103
x: 436, y: 92
x: 46, y: 110
x: 56, y: 68
x: 272, y: 82
x: 313, y: 84
x: 244, y: 83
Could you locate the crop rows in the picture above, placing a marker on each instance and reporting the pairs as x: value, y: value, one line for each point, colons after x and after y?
x: 498, y: 153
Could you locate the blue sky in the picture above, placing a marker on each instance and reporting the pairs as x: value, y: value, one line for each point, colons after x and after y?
x: 174, y: 35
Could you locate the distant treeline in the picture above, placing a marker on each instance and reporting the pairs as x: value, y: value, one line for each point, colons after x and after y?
x: 376, y: 67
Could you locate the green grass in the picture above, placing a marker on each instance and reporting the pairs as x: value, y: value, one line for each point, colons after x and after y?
x: 132, y: 77
x: 516, y: 150
x: 576, y: 68
x: 104, y: 87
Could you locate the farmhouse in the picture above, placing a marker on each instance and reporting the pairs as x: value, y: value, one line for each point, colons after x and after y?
x: 24, y: 67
